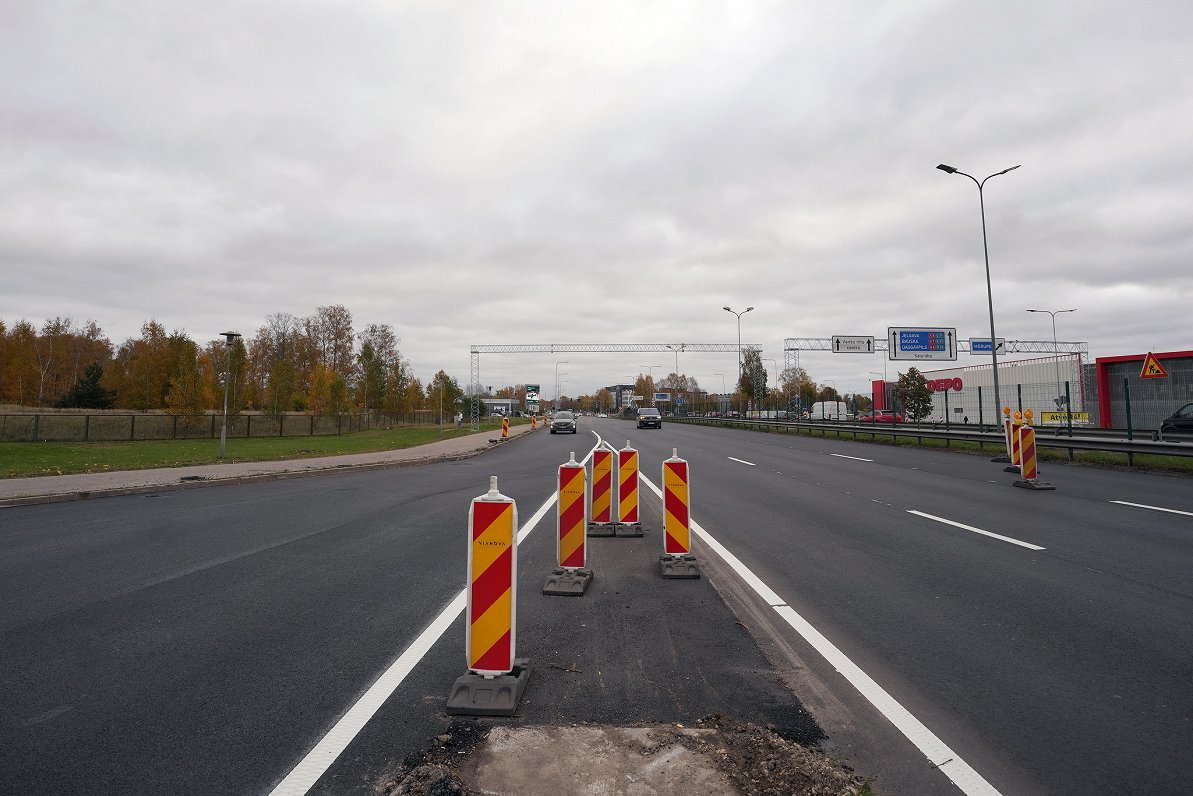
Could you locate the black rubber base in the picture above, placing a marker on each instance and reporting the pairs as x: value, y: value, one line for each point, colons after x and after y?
x: 475, y: 695
x: 1033, y: 485
x: 601, y: 529
x: 679, y: 566
x: 1002, y: 459
x: 568, y: 582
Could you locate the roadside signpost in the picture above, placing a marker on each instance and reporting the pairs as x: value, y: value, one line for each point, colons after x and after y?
x: 922, y: 343
x: 844, y: 344
x: 981, y: 345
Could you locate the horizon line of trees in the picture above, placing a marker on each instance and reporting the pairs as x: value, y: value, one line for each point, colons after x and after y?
x: 318, y: 364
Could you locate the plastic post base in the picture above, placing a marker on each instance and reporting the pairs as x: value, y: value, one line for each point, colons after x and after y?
x: 475, y: 695
x: 601, y: 529
x: 684, y: 566
x: 1004, y: 459
x: 568, y: 582
x: 1033, y: 484
x: 1011, y: 469
x: 628, y: 529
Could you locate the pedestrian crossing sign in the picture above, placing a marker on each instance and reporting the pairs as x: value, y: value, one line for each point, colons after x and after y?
x: 1152, y: 369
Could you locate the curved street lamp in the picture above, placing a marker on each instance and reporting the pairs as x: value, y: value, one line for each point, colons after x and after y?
x: 738, y: 314
x: 989, y: 293
x: 1056, y: 355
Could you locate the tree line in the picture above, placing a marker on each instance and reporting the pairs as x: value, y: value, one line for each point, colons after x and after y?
x: 318, y: 364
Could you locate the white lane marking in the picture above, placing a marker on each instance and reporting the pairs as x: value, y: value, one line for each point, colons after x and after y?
x: 742, y: 461
x: 308, y: 771
x: 937, y: 751
x: 1153, y: 508
x: 855, y: 458
x: 991, y: 534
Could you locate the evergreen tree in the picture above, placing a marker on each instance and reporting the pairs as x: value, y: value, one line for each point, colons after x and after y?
x: 87, y: 392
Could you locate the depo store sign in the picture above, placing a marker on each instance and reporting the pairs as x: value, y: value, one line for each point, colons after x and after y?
x: 944, y: 385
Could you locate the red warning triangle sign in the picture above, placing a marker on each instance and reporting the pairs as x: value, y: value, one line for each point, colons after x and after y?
x: 1152, y: 369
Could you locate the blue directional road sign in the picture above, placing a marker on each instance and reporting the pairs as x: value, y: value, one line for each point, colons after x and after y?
x: 981, y: 345
x: 922, y: 344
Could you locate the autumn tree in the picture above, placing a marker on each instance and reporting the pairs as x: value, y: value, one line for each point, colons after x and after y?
x: 442, y: 393
x: 913, y: 392
x: 752, y: 381
x: 140, y: 373
x: 187, y: 394
x: 378, y: 356
x: 605, y: 400
x: 20, y: 368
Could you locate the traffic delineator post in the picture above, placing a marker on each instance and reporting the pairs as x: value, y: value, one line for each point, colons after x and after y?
x: 533, y: 422
x: 570, y: 577
x: 1027, y: 458
x: 505, y: 427
x: 1014, y: 440
x: 628, y: 522
x: 677, y: 560
x: 496, y: 678
x: 603, y: 492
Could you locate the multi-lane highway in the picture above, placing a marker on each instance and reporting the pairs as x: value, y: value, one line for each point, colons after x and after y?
x: 207, y: 640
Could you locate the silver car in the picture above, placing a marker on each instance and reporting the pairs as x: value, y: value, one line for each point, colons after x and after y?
x: 563, y: 423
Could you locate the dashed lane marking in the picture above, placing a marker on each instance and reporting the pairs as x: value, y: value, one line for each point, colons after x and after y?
x: 742, y: 461
x: 963, y: 526
x: 1153, y: 508
x: 855, y: 458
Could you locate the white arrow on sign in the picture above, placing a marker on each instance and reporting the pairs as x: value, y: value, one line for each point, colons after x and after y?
x: 843, y: 344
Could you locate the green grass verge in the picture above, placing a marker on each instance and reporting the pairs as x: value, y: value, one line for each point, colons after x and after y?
x: 19, y: 459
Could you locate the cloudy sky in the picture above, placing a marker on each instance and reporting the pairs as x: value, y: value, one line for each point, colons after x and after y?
x: 552, y: 172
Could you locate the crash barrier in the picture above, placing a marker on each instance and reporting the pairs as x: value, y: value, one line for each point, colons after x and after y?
x: 1027, y: 454
x: 496, y: 678
x: 570, y: 577
x: 1089, y: 440
x: 677, y: 560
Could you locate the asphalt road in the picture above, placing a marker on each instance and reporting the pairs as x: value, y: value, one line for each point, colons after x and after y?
x: 205, y: 640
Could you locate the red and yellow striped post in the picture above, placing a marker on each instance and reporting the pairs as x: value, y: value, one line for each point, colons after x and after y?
x: 677, y: 560
x: 495, y: 680
x: 570, y: 578
x: 533, y: 422
x: 627, y: 485
x: 492, y: 582
x: 1006, y: 411
x: 603, y: 489
x: 571, y: 547
x: 1027, y: 453
x: 505, y: 427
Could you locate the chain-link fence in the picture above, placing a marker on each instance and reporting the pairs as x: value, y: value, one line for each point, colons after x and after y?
x: 54, y: 427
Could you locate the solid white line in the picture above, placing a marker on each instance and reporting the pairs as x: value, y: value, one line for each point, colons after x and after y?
x: 937, y: 751
x: 855, y: 458
x: 743, y: 461
x: 1153, y: 508
x: 308, y: 771
x: 976, y: 530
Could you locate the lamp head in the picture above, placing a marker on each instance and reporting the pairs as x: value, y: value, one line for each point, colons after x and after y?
x: 747, y: 309
x: 947, y: 169
x: 726, y: 309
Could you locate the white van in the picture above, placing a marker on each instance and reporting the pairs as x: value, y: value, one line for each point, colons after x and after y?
x: 828, y: 410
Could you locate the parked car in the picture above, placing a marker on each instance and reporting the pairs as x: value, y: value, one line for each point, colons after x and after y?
x: 649, y: 417
x: 1180, y: 421
x: 881, y: 416
x: 564, y: 422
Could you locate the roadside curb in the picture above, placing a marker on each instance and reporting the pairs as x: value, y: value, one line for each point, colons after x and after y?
x: 281, y: 475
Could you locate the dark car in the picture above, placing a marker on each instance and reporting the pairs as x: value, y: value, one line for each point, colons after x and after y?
x: 649, y: 417
x: 563, y: 423
x: 1179, y: 422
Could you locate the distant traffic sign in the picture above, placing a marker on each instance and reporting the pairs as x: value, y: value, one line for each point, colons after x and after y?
x: 922, y: 344
x: 662, y: 396
x: 852, y: 345
x: 981, y: 345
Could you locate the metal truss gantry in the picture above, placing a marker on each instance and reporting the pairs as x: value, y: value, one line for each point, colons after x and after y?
x: 582, y: 348
x: 793, y: 345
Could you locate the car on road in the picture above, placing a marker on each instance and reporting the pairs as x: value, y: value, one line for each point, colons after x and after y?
x: 649, y: 417
x: 881, y: 416
x: 564, y: 422
x: 1179, y: 422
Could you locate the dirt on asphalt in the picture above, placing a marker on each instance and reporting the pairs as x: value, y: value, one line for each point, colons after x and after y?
x: 734, y: 757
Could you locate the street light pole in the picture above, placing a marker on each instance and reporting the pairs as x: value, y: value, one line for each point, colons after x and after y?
x: 722, y: 401
x: 989, y: 292
x: 1056, y: 355
x: 650, y: 378
x: 738, y: 314
x: 557, y: 364
x: 229, y: 337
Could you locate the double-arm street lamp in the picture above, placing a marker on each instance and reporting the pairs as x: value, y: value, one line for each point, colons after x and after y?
x: 989, y: 292
x: 1056, y: 355
x: 557, y: 364
x: 738, y: 314
x: 229, y: 337
x: 650, y: 379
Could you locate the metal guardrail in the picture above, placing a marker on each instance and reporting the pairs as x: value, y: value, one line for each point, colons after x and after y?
x: 1086, y: 442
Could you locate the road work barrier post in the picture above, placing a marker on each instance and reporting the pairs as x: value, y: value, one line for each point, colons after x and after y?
x: 1015, y: 453
x: 570, y: 578
x: 533, y: 422
x: 496, y: 679
x: 1007, y: 434
x: 1027, y: 455
x: 628, y: 523
x: 505, y: 427
x: 677, y: 560
x: 604, y: 492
